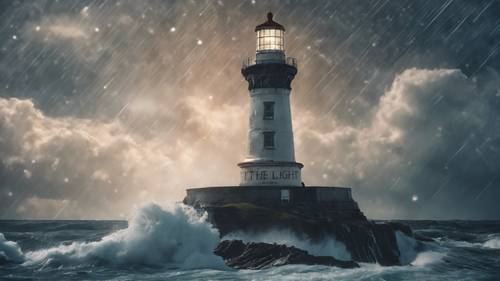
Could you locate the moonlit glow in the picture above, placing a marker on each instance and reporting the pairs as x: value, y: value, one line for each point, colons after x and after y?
x: 414, y: 198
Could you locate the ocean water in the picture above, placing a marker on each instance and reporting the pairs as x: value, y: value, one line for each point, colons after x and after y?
x: 176, y: 244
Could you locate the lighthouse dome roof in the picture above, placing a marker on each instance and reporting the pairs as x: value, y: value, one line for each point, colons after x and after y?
x: 269, y: 24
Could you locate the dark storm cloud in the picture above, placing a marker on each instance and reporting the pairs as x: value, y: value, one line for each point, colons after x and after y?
x: 135, y: 100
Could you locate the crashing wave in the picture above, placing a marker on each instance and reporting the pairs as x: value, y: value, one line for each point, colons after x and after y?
x: 10, y: 252
x: 154, y: 237
x: 407, y: 248
x: 416, y: 253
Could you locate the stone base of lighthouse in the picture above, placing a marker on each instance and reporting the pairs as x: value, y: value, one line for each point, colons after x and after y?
x: 270, y: 173
x: 334, y: 198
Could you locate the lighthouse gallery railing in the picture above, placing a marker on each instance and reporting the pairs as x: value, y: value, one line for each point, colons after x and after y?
x: 251, y: 61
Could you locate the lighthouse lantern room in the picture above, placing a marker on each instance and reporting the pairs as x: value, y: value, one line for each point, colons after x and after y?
x: 270, y: 35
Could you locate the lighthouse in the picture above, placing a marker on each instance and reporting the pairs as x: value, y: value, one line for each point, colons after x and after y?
x: 270, y: 157
x: 270, y: 176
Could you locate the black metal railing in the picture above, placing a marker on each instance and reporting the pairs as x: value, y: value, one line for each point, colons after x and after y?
x: 249, y: 61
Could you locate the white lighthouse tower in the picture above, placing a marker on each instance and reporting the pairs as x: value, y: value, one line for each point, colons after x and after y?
x: 271, y: 157
x: 270, y: 176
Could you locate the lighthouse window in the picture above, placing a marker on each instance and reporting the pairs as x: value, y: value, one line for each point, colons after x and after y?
x: 268, y: 140
x: 269, y: 110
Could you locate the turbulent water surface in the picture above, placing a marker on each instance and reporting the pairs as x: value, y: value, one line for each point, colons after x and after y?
x: 176, y: 244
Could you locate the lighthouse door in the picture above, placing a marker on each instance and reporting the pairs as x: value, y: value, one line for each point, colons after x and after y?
x: 285, y: 196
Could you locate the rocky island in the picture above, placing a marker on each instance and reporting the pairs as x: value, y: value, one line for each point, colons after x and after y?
x: 255, y: 212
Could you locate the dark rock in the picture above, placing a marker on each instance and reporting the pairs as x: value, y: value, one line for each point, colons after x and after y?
x: 406, y: 230
x: 423, y: 238
x: 239, y: 255
x: 366, y: 241
x: 341, y: 219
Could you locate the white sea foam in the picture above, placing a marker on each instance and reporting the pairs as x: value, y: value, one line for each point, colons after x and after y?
x: 154, y: 237
x: 426, y: 258
x: 326, y: 247
x: 10, y: 251
x: 492, y: 243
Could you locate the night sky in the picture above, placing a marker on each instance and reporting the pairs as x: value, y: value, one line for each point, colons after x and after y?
x: 107, y: 105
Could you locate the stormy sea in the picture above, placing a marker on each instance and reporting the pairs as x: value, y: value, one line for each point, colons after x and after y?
x: 176, y: 243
